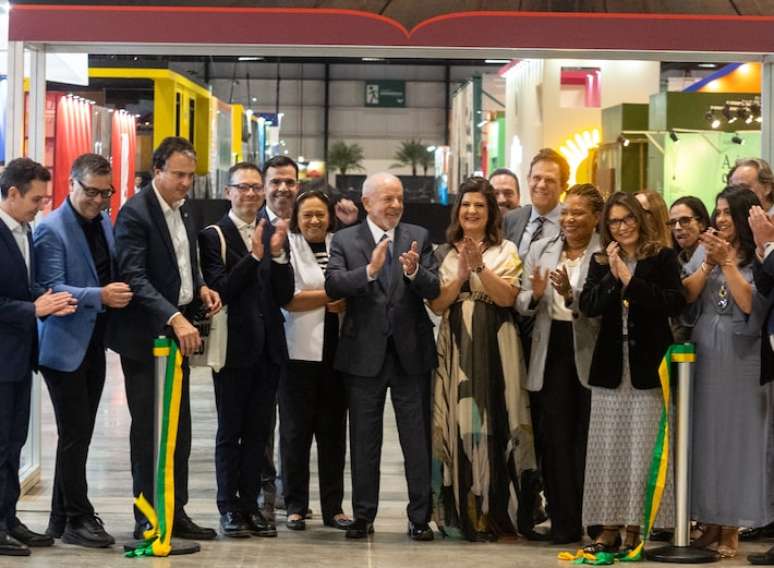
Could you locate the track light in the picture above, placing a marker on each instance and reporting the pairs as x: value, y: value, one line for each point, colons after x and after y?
x: 736, y: 139
x: 623, y: 140
x: 673, y: 135
x: 712, y: 119
x: 728, y: 115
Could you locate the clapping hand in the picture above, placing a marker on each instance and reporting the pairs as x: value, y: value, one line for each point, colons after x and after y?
x: 409, y: 260
x: 463, y: 268
x: 719, y: 252
x: 473, y: 253
x: 539, y: 278
x: 277, y: 242
x: 762, y: 227
x: 257, y: 240
x: 378, y: 258
x: 560, y: 280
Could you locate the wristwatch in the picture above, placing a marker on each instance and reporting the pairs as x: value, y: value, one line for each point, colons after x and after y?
x: 478, y: 268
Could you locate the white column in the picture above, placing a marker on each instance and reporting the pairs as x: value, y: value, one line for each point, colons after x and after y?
x: 767, y: 109
x: 37, y: 105
x: 14, y: 125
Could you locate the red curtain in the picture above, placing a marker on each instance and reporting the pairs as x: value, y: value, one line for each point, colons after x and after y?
x: 73, y: 138
x: 123, y: 150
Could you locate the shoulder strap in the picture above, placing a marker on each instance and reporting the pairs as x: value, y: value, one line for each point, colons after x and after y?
x: 222, y: 240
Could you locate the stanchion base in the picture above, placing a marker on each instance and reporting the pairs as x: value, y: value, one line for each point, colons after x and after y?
x: 179, y: 547
x: 681, y: 555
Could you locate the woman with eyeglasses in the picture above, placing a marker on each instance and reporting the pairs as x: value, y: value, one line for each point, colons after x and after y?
x: 688, y: 219
x: 312, y: 399
x: 732, y: 412
x: 481, y: 429
x: 554, y: 273
x: 634, y: 286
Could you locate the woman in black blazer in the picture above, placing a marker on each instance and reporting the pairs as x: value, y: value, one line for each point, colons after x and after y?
x: 634, y: 286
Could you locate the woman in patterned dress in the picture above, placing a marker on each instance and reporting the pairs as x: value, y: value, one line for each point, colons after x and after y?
x: 482, y: 435
x: 635, y: 287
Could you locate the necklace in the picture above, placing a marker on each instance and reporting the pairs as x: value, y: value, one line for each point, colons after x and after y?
x: 722, y: 296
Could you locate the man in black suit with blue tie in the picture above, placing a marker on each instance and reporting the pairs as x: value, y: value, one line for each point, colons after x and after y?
x: 156, y: 252
x: 386, y: 270
x: 254, y: 280
x: 23, y: 188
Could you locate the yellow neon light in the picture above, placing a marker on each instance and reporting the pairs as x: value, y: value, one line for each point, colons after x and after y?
x: 577, y: 148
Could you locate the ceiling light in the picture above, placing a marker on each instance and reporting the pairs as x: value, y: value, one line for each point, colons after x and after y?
x: 372, y: 59
x: 707, y: 65
x: 736, y: 139
x: 500, y: 61
x: 673, y: 135
x: 250, y: 58
x: 623, y: 141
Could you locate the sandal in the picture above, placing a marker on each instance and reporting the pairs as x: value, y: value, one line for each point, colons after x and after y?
x: 728, y: 542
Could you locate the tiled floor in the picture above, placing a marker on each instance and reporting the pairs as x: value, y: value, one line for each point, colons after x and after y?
x: 110, y: 487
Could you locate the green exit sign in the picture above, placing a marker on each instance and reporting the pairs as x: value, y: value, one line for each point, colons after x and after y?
x: 385, y: 94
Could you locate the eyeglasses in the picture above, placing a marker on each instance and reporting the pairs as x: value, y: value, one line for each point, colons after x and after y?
x: 682, y: 221
x: 93, y: 192
x: 245, y: 187
x: 615, y: 224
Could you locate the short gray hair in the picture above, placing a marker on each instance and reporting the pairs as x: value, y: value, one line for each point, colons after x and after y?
x: 90, y: 164
x: 377, y: 180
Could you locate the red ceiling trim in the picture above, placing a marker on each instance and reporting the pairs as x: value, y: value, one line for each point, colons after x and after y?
x: 329, y: 26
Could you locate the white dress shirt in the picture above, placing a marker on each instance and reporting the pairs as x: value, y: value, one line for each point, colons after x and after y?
x: 246, y: 230
x: 181, y: 245
x: 19, y: 232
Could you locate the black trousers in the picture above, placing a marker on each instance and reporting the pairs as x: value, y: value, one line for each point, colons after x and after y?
x: 410, y: 396
x: 565, y: 407
x: 14, y: 419
x: 313, y: 403
x: 244, y: 398
x: 75, y: 397
x: 140, y: 388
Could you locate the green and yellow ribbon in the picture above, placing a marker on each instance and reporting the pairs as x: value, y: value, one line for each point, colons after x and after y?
x: 158, y: 538
x: 657, y: 473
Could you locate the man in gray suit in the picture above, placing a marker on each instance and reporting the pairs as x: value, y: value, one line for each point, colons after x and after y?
x: 386, y: 269
x: 548, y: 177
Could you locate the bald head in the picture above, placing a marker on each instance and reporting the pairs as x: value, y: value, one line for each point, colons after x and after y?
x: 383, y: 199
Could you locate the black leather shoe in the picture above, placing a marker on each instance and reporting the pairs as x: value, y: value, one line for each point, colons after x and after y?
x: 56, y: 525
x: 360, y: 528
x: 139, y: 530
x: 597, y: 547
x: 420, y: 531
x: 296, y: 524
x: 536, y: 534
x: 234, y: 525
x: 341, y: 524
x: 661, y: 535
x: 87, y: 531
x: 757, y: 533
x: 32, y: 539
x: 765, y: 559
x: 184, y: 527
x: 9, y: 546
x: 258, y: 525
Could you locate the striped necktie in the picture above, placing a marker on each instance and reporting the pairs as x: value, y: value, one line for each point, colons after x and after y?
x: 538, y: 233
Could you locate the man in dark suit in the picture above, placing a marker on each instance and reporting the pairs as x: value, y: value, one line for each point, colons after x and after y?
x: 75, y: 253
x: 157, y: 257
x: 23, y: 188
x: 386, y: 270
x: 255, y: 280
x: 280, y: 177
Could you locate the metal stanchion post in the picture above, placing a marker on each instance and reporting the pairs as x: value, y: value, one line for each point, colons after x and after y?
x: 681, y: 551
x: 179, y: 547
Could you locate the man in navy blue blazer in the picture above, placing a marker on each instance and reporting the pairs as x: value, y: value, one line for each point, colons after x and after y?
x: 23, y: 193
x: 74, y: 253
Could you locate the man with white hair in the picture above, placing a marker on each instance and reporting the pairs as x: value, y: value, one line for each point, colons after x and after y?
x: 386, y: 269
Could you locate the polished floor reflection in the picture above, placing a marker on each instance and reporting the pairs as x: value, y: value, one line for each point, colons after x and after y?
x: 110, y: 488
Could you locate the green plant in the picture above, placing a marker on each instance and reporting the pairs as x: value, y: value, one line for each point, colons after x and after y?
x: 413, y: 153
x: 345, y: 157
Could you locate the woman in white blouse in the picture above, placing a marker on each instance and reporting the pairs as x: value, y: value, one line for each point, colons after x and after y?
x: 554, y: 273
x: 312, y: 399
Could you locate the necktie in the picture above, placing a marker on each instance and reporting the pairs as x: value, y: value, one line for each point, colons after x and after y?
x: 385, y: 273
x: 538, y: 230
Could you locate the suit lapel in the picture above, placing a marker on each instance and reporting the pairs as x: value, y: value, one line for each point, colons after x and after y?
x: 189, y: 231
x: 157, y: 216
x: 73, y: 230
x: 523, y: 221
x: 107, y: 230
x: 233, y: 237
x: 366, y: 241
x: 10, y: 242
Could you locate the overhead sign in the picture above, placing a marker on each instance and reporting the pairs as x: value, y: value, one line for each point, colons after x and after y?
x: 385, y: 94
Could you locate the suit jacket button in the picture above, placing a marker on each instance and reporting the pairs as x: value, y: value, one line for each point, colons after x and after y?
x: 575, y: 315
